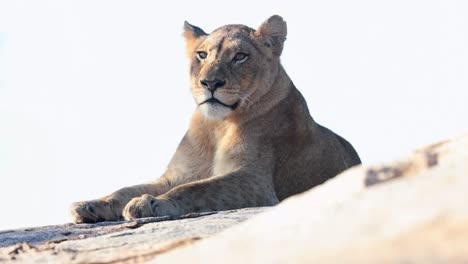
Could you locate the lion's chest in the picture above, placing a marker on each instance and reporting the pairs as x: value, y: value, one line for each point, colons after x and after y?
x: 229, y: 150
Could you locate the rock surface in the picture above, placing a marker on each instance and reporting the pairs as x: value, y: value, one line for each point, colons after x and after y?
x: 413, y: 210
x: 114, y: 242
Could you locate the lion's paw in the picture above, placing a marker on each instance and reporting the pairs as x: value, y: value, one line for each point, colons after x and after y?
x: 92, y: 212
x: 147, y: 206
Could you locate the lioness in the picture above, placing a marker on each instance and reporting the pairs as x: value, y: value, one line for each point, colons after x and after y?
x: 251, y: 141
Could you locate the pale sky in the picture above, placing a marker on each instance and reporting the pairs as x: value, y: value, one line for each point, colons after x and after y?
x: 94, y: 95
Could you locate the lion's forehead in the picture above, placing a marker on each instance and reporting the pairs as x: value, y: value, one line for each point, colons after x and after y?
x: 233, y: 31
x: 228, y: 44
x: 229, y: 37
x: 222, y: 44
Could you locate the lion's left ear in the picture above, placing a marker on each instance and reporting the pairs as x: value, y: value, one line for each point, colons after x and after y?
x: 192, y: 32
x: 273, y: 33
x: 192, y: 36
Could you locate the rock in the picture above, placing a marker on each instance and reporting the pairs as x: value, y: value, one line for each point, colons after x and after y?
x: 114, y: 242
x: 413, y: 210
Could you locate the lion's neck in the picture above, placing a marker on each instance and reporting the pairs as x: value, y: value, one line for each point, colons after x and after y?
x: 277, y: 91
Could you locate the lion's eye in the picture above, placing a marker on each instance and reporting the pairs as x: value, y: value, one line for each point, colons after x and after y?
x: 201, y: 55
x: 240, y: 57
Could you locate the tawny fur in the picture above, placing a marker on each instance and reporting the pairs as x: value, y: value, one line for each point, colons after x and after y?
x: 258, y: 153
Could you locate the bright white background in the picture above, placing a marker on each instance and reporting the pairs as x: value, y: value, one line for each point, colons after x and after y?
x: 94, y: 95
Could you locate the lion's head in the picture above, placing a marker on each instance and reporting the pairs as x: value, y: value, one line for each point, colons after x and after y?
x: 232, y: 67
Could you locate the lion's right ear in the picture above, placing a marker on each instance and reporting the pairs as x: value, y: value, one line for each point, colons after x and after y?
x: 193, y: 35
x: 273, y: 33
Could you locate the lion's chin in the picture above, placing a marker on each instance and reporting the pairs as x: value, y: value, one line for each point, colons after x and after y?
x: 214, y: 111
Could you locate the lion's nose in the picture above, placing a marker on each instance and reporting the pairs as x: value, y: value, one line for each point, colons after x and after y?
x: 212, y: 85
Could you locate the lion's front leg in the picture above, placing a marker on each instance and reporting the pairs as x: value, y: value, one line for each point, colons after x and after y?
x: 232, y: 191
x: 110, y: 208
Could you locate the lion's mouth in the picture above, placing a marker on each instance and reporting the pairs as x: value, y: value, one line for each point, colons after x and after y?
x: 213, y: 100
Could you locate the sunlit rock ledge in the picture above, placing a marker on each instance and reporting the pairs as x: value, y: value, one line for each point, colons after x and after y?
x: 411, y: 210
